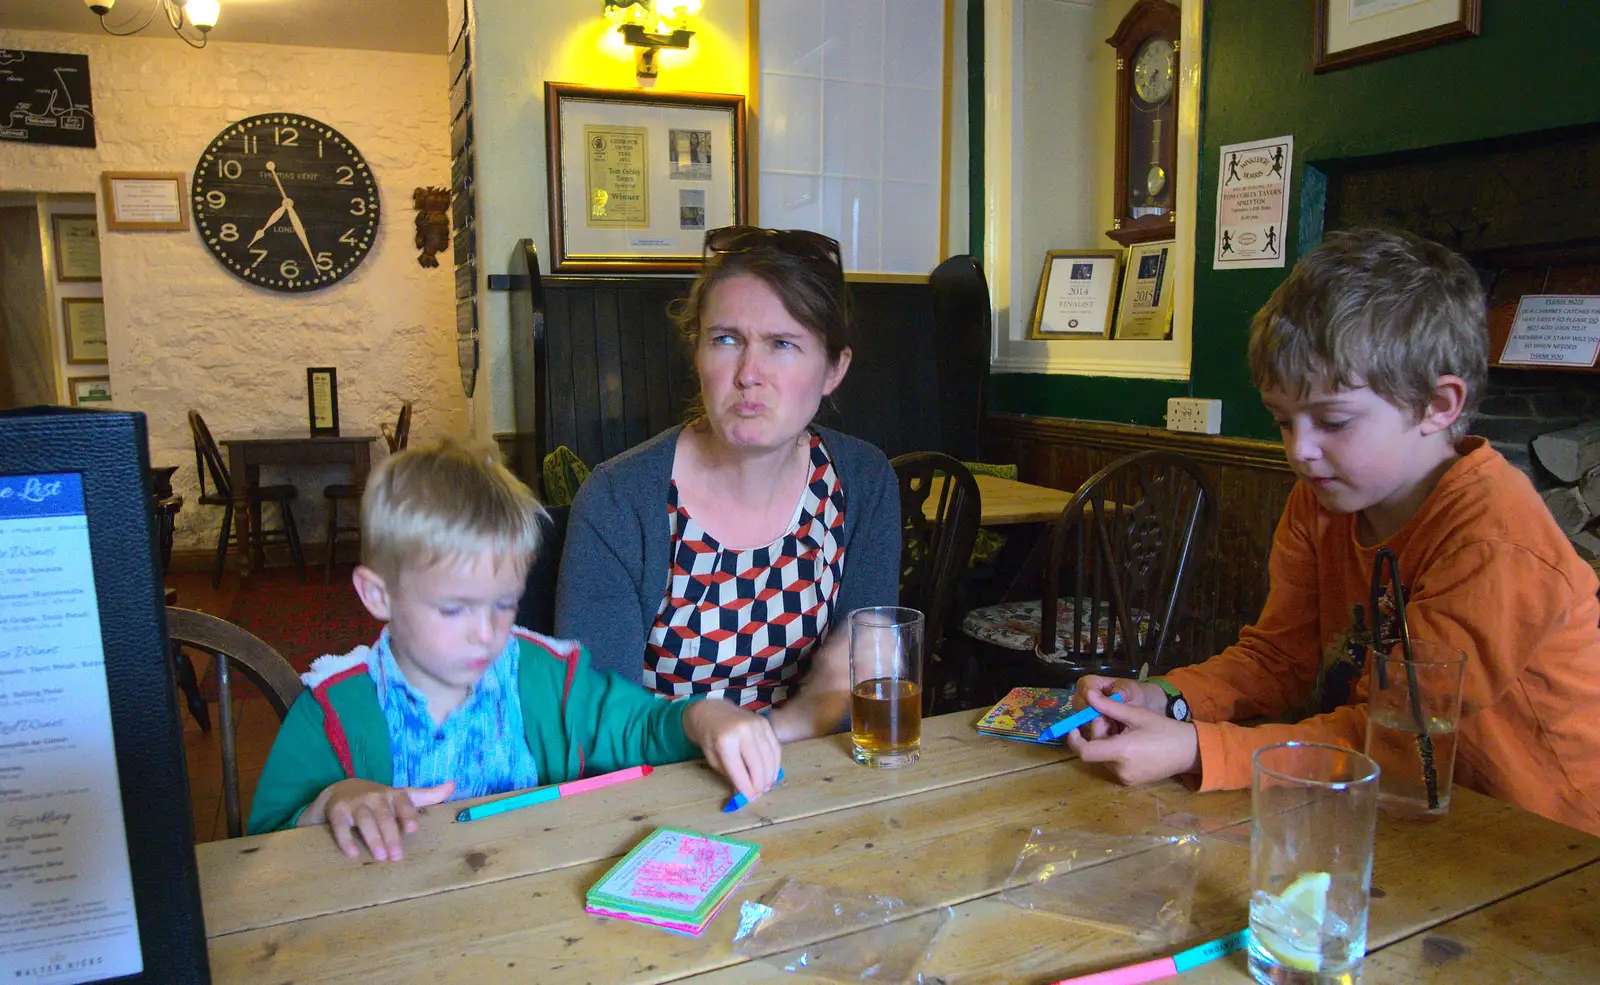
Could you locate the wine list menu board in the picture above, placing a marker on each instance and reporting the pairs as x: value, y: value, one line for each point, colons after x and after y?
x: 66, y: 891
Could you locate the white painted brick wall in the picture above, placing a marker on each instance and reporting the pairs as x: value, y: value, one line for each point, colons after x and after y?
x: 182, y: 331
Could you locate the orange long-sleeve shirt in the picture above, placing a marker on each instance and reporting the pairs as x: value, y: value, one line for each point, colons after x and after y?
x: 1487, y: 570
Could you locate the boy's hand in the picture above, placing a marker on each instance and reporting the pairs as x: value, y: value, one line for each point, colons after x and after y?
x: 380, y: 813
x: 1147, y: 745
x: 1135, y: 694
x: 737, y: 743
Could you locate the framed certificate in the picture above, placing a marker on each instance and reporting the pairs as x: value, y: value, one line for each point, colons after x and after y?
x: 90, y: 391
x: 140, y: 200
x: 77, y: 241
x: 100, y: 884
x: 637, y: 177
x: 1350, y: 32
x: 1077, y: 295
x: 1144, y: 309
x: 84, y: 321
x: 322, y: 399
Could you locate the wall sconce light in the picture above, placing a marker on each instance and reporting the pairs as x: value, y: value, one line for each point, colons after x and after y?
x: 649, y: 26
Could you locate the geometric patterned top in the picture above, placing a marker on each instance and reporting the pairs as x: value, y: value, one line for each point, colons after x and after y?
x: 745, y: 622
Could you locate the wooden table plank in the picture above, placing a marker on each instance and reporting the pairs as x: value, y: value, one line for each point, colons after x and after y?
x: 1550, y: 933
x: 254, y: 882
x: 1007, y: 501
x: 930, y: 849
x: 1483, y: 849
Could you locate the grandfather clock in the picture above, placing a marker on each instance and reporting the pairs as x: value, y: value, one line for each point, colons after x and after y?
x: 1146, y: 43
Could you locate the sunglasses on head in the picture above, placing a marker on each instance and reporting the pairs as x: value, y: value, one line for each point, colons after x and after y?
x: 802, y: 243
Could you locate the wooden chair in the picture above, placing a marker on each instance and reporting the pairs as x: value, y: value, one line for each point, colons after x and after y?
x: 396, y: 438
x: 1122, y: 549
x: 208, y: 461
x: 934, y: 553
x: 537, y: 610
x: 232, y: 649
x: 961, y: 330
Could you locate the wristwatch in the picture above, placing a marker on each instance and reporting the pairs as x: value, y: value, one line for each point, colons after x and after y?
x: 1177, y: 707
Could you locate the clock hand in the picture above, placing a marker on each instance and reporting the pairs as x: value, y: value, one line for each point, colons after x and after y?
x: 300, y: 230
x: 294, y: 217
x: 263, y: 230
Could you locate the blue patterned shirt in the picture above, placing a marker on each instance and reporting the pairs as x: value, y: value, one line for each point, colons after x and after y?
x: 481, y: 745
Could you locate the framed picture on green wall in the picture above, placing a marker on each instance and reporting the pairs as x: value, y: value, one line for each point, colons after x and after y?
x: 1350, y: 32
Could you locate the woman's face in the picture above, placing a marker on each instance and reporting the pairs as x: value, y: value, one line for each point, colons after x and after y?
x: 762, y: 373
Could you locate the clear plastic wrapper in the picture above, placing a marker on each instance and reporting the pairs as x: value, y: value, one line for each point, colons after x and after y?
x: 839, y: 936
x: 1139, y: 885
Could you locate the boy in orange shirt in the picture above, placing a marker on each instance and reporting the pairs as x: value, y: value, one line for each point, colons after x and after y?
x: 1372, y: 357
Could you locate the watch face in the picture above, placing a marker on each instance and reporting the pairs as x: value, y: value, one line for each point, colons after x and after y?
x: 1152, y: 71
x: 1180, y: 709
x: 285, y: 202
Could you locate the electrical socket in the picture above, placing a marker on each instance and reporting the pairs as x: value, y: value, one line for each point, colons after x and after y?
x: 1194, y: 414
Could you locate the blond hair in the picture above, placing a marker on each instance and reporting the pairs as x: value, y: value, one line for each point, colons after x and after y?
x: 1378, y: 308
x: 444, y: 501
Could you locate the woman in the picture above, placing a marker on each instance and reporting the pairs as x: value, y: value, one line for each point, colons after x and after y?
x: 724, y: 555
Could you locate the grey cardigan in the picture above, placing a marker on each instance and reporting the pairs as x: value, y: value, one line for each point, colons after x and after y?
x: 619, y: 539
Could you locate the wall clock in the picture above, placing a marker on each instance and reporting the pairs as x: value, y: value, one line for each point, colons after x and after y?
x: 285, y: 202
x: 1147, y: 123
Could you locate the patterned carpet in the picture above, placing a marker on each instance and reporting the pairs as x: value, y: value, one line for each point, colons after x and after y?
x: 301, y: 622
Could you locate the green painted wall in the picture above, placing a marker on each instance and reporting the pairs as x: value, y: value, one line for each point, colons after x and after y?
x: 1534, y: 67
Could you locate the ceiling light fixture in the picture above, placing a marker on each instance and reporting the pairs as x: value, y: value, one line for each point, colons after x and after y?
x: 198, y: 15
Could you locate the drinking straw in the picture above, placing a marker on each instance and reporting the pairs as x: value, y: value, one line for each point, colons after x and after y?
x: 1177, y: 964
x: 1430, y: 775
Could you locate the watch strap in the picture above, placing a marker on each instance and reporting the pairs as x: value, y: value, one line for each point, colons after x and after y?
x: 1167, y: 686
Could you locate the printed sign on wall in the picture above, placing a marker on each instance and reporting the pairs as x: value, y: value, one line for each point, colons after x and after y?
x: 1253, y: 203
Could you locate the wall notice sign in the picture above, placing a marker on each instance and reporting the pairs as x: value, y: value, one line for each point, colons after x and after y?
x: 1554, y: 330
x: 1253, y: 203
x: 66, y: 891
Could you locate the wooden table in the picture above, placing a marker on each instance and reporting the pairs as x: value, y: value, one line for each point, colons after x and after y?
x: 1007, y: 501
x: 502, y: 899
x: 247, y: 455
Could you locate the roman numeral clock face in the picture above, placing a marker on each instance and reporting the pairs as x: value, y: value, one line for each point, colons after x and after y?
x: 285, y: 202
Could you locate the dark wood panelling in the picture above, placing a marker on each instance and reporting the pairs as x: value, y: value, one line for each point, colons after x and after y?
x: 1253, y: 483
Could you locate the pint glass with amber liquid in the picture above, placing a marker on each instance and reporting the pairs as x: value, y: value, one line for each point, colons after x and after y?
x: 886, y: 685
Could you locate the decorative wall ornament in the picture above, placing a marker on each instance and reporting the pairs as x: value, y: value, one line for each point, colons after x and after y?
x: 433, y: 223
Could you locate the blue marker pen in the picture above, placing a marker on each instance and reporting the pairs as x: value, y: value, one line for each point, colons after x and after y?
x: 739, y: 800
x: 1073, y: 720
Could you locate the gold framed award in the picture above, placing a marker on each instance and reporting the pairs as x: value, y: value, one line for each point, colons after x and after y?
x: 1077, y: 295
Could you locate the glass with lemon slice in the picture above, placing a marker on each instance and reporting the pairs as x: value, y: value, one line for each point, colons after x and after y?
x: 1315, y: 810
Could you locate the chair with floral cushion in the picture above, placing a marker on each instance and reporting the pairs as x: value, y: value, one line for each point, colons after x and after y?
x: 1119, y: 559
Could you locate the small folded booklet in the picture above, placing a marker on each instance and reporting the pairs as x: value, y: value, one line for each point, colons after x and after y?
x: 1026, y: 712
x: 674, y: 879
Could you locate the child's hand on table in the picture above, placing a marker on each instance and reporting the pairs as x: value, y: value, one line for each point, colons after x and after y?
x: 1143, y: 745
x: 737, y: 743
x: 381, y: 814
x: 1135, y: 694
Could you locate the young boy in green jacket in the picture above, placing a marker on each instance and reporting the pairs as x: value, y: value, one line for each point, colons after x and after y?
x: 454, y: 702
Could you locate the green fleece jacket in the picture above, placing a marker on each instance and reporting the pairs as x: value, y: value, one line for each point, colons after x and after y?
x: 578, y: 721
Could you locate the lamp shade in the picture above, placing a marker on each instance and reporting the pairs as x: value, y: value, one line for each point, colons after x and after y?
x: 203, y: 13
x: 101, y: 7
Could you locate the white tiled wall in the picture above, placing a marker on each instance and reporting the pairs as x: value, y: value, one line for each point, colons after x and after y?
x: 850, y: 115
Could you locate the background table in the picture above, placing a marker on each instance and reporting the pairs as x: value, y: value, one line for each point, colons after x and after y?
x: 247, y: 455
x: 1007, y: 501
x: 502, y: 899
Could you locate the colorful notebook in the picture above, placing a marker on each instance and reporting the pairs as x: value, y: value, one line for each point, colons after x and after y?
x: 1026, y: 712
x: 674, y: 879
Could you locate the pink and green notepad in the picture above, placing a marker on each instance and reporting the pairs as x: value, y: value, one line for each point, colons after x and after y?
x: 1026, y: 712
x: 674, y: 879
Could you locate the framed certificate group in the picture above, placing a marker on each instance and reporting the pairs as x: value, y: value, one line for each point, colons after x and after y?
x: 637, y: 177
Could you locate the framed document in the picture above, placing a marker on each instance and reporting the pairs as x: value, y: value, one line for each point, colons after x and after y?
x: 1349, y: 32
x: 84, y: 320
x: 138, y: 200
x: 637, y: 177
x: 77, y: 239
x: 98, y: 861
x: 322, y: 399
x: 1077, y: 295
x: 1144, y: 309
x: 90, y: 391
